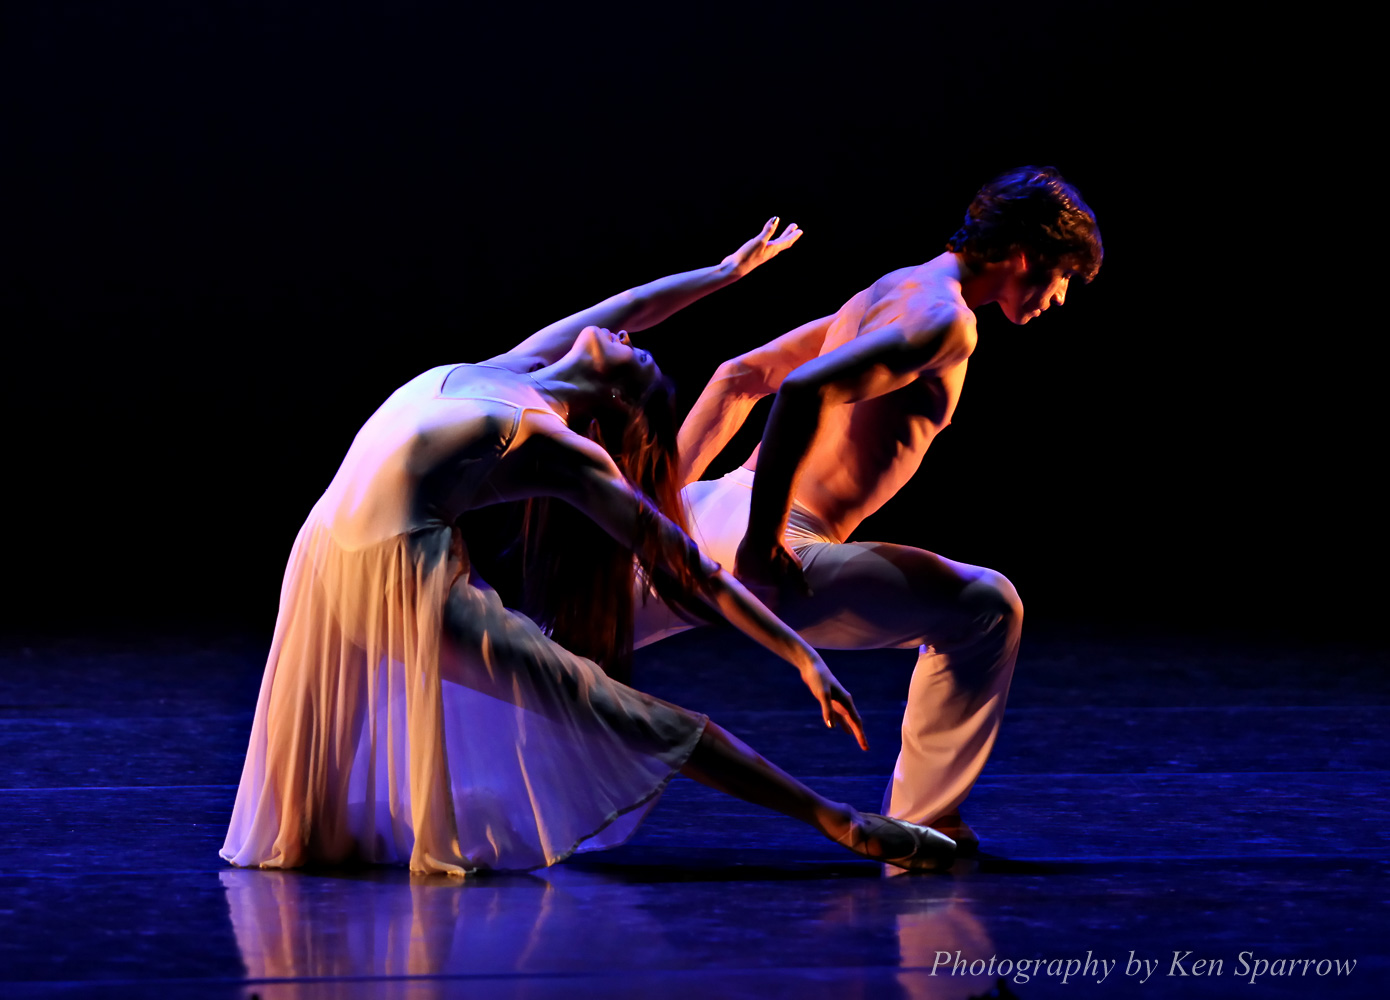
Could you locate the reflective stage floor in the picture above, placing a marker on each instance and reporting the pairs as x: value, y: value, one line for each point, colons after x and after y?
x: 1154, y: 806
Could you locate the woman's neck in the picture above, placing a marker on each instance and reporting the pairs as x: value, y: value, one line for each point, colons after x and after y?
x: 570, y: 387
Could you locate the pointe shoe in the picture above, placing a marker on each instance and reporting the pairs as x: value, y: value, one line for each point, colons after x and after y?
x: 967, y: 841
x: 931, y: 849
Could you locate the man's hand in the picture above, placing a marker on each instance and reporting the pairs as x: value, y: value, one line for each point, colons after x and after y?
x: 762, y: 248
x: 836, y: 705
x: 770, y: 569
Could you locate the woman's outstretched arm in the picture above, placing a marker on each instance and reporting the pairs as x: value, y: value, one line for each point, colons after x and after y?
x: 583, y: 475
x: 647, y: 305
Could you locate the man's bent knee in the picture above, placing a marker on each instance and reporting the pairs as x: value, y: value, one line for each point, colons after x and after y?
x: 992, y: 603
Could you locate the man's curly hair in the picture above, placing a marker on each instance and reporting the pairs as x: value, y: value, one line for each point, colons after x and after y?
x: 1032, y: 209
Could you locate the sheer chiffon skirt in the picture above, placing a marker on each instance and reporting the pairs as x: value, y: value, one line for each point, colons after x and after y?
x: 406, y: 716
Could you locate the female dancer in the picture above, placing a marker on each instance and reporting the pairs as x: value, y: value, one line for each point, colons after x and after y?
x: 407, y: 716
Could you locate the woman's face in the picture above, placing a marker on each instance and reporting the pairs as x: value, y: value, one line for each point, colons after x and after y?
x: 630, y: 370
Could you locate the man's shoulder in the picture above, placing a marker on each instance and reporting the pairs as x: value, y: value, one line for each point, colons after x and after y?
x: 920, y: 283
x: 894, y: 279
x: 944, y: 326
x: 924, y: 305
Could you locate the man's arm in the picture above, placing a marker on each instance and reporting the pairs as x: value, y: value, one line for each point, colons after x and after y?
x: 871, y: 365
x: 736, y: 386
x: 647, y: 305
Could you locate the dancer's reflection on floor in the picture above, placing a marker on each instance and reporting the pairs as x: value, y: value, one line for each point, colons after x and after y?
x: 397, y: 930
x: 930, y: 916
x: 387, y: 923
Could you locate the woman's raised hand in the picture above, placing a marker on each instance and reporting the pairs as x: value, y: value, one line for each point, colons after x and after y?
x: 836, y: 705
x: 763, y: 247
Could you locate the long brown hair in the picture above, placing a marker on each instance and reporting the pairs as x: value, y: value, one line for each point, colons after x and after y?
x: 578, y: 580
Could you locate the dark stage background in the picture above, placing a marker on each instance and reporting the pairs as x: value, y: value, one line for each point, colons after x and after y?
x: 234, y: 229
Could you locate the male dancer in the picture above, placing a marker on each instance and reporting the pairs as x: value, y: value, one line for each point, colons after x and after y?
x: 860, y: 397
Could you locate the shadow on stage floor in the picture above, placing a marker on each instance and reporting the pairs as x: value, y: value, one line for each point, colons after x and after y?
x: 1153, y: 804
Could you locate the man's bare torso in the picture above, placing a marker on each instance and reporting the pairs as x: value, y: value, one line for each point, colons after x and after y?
x: 866, y: 451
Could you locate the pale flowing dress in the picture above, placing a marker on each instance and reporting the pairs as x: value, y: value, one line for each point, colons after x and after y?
x: 405, y: 715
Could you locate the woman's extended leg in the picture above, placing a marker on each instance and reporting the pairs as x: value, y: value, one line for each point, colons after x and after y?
x: 515, y: 662
x: 727, y: 764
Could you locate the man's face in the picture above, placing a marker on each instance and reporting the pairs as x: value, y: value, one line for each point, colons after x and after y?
x: 1031, y: 292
